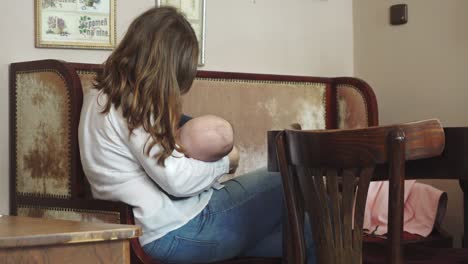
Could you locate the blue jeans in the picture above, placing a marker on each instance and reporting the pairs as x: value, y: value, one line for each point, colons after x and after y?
x: 244, y: 219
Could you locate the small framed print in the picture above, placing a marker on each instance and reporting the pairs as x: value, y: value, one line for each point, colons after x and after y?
x: 194, y: 11
x: 81, y: 24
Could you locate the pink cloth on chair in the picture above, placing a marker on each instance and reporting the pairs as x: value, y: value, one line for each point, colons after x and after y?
x: 421, y: 203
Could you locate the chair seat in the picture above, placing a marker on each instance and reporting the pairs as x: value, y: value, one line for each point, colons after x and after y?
x: 420, y: 255
x: 438, y: 239
x: 375, y: 248
x: 428, y: 255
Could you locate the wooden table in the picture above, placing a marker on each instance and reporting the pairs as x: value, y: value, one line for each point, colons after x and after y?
x: 39, y: 240
x: 451, y: 164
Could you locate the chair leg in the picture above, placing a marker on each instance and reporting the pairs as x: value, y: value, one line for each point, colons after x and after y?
x: 464, y: 186
x: 287, y: 246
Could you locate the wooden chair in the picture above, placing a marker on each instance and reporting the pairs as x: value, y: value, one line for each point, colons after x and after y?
x: 324, y: 172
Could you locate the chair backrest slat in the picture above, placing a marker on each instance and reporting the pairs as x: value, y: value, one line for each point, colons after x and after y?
x: 359, y: 208
x: 347, y: 205
x: 323, y: 201
x: 310, y: 193
x: 335, y: 202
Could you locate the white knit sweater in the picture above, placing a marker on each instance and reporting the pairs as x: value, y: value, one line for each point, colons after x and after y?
x: 118, y: 170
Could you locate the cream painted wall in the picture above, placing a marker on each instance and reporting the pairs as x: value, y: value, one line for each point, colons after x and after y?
x: 418, y: 70
x: 301, y: 37
x: 17, y: 44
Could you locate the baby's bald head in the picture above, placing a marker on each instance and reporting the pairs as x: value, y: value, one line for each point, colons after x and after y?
x: 207, y: 138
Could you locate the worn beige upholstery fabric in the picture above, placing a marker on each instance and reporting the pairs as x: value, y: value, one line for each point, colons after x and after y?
x: 87, y: 80
x: 352, y: 111
x: 253, y: 107
x: 42, y: 134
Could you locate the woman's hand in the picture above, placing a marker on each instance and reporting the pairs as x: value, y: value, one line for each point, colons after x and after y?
x: 233, y: 159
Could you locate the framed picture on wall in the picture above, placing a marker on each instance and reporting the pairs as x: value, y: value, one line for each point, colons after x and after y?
x: 194, y: 11
x: 81, y: 24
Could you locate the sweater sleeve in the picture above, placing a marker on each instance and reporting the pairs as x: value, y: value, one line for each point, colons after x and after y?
x: 181, y: 176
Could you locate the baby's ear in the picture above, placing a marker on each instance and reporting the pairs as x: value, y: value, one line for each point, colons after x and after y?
x: 296, y: 126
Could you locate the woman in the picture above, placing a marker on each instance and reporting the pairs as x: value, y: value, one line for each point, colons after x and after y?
x: 129, y: 153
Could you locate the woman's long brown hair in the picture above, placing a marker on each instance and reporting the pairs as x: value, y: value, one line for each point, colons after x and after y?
x: 146, y: 74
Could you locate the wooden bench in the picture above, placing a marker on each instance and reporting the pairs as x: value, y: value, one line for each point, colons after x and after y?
x: 45, y: 101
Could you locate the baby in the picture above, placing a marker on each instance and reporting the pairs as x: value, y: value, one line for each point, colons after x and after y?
x: 206, y: 138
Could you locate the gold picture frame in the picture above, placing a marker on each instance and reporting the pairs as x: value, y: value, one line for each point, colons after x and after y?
x: 79, y: 24
x: 194, y: 11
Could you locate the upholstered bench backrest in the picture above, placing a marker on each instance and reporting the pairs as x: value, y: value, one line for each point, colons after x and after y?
x: 257, y: 103
x: 45, y: 103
